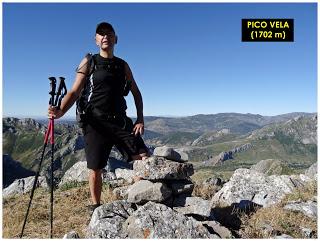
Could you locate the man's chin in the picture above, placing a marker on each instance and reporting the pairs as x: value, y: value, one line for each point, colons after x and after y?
x: 106, y: 48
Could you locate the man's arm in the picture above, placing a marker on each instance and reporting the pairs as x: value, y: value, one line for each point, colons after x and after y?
x: 139, y: 125
x: 71, y: 96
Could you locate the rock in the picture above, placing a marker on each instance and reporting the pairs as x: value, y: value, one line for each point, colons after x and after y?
x: 269, y: 167
x: 312, y: 171
x: 307, y: 232
x: 170, y: 153
x: 183, y: 152
x: 241, y: 148
x: 212, y: 181
x: 308, y: 208
x: 30, y: 123
x: 154, y: 220
x: 304, y: 178
x: 256, y: 187
x: 121, y: 192
x: 181, y: 186
x: 117, y: 183
x: 77, y: 173
x: 223, y: 156
x: 144, y: 191
x: 80, y: 173
x: 23, y: 185
x: 222, y: 231
x: 196, y: 206
x: 282, y: 236
x: 226, y: 155
x: 125, y: 174
x: 108, y: 176
x: 70, y: 235
x: 158, y: 168
x: 107, y: 220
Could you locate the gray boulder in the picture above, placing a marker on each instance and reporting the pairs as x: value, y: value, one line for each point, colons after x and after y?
x: 212, y: 181
x: 312, y: 171
x: 154, y: 220
x: 159, y: 168
x: 308, y: 208
x: 108, y: 176
x: 107, y: 220
x: 222, y: 231
x: 77, y: 173
x: 195, y: 205
x: 307, y: 232
x: 24, y: 185
x: 283, y: 236
x: 71, y: 235
x: 171, y: 154
x: 144, y: 191
x: 256, y: 187
x: 80, y: 173
x: 121, y: 192
x: 181, y: 186
x: 126, y: 174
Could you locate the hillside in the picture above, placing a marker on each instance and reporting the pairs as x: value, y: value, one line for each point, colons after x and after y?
x: 23, y: 141
x: 294, y: 142
x: 217, y: 143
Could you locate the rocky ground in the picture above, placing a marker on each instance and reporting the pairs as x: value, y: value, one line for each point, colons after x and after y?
x: 169, y: 203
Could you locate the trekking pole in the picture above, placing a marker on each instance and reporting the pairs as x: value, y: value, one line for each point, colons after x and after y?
x: 62, y: 90
x: 36, y: 179
x: 51, y: 123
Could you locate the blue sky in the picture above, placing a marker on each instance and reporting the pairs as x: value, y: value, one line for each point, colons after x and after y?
x: 186, y: 58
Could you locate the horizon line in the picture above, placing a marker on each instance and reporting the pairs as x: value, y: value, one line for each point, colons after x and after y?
x: 162, y: 116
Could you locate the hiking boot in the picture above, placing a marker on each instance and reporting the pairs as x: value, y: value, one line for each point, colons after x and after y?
x: 92, y: 207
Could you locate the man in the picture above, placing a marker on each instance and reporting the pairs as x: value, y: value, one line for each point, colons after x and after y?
x: 106, y: 123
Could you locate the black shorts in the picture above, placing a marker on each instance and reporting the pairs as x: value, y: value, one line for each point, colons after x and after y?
x: 101, y: 134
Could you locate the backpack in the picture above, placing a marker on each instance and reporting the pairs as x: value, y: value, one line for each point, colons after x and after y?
x: 82, y: 105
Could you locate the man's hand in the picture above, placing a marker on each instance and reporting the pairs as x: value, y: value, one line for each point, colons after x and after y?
x: 138, y: 128
x: 54, y: 112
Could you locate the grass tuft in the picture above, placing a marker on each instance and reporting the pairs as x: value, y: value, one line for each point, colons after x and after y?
x: 271, y: 221
x: 69, y: 212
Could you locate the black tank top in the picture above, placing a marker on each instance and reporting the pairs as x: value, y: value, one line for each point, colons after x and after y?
x: 106, y: 84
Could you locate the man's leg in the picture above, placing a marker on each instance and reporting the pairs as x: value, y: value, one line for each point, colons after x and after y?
x: 95, y: 185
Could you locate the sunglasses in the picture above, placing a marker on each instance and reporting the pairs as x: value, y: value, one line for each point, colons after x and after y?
x: 104, y: 32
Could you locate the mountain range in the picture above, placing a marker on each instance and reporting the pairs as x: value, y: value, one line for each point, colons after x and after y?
x: 220, y: 142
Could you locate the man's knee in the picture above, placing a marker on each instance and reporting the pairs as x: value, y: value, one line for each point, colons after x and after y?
x: 94, y: 173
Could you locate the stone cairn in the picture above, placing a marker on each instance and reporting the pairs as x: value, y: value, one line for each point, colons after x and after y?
x: 159, y: 206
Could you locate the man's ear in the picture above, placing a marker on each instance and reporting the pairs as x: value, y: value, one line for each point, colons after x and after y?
x: 116, y: 39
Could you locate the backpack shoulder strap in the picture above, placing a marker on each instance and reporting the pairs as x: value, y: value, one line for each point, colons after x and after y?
x: 92, y: 63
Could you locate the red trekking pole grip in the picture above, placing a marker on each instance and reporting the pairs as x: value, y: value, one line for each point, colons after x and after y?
x: 52, y: 130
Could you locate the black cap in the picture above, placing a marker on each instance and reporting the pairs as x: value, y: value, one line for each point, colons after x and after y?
x: 104, y: 27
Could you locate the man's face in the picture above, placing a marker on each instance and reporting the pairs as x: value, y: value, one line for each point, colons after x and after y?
x: 105, y: 38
